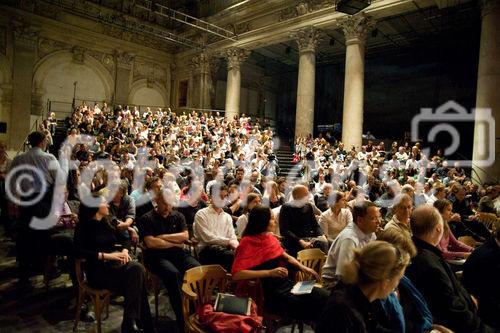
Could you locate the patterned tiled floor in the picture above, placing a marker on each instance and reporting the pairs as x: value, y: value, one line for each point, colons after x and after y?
x: 35, y: 310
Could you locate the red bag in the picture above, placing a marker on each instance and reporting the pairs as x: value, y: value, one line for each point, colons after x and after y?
x: 221, y: 322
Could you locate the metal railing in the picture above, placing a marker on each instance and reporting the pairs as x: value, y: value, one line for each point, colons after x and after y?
x: 186, y: 19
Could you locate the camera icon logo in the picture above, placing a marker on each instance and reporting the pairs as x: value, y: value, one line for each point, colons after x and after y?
x: 443, y: 118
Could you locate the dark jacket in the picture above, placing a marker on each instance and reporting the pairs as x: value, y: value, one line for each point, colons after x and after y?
x: 348, y: 310
x: 297, y: 223
x: 449, y: 302
x: 481, y: 277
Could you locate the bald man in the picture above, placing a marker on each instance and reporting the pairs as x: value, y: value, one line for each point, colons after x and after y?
x: 450, y: 304
x: 298, y: 224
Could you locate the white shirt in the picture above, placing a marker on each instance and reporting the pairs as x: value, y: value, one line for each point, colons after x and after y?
x: 212, y: 228
x: 332, y: 225
x: 342, y: 249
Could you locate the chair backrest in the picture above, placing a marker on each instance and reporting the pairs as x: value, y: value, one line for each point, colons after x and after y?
x: 312, y: 258
x: 204, y: 281
x: 488, y: 219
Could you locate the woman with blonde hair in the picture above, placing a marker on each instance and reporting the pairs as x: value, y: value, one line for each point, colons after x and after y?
x: 354, y: 304
x: 273, y: 197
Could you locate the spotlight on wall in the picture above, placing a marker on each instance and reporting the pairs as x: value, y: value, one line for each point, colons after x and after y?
x: 352, y: 7
x: 288, y: 50
x: 374, y: 33
x: 332, y: 41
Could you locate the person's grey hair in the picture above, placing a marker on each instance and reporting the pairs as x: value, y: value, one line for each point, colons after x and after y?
x: 400, y: 198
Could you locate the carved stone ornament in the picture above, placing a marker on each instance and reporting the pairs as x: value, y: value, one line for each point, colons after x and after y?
x: 201, y: 63
x: 47, y: 45
x: 487, y: 6
x: 305, y: 7
x: 356, y: 28
x: 78, y: 54
x: 235, y: 57
x: 25, y: 34
x: 307, y: 38
x: 124, y: 59
x: 3, y: 39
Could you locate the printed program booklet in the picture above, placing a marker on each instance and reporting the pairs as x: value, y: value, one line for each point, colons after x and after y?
x: 303, y: 287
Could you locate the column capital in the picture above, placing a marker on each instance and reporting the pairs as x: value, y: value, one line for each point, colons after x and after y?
x: 356, y: 28
x: 235, y: 57
x: 124, y: 59
x: 203, y: 62
x: 25, y: 34
x: 488, y: 6
x: 307, y: 38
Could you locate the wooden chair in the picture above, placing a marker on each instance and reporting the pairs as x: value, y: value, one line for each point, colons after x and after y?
x: 312, y: 258
x: 488, y: 219
x: 469, y: 241
x: 49, y: 266
x: 153, y: 281
x: 99, y: 297
x: 199, y: 285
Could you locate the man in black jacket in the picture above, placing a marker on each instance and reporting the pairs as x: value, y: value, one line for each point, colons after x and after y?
x: 298, y: 224
x: 481, y: 278
x: 450, y: 304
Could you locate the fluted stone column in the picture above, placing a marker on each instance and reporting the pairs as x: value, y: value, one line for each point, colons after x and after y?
x: 203, y: 67
x: 355, y: 29
x: 307, y: 39
x: 173, y: 86
x: 25, y: 42
x: 488, y: 82
x: 234, y: 59
x: 124, y: 62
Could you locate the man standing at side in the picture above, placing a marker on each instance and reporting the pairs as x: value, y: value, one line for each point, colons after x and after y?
x: 366, y: 220
x: 450, y: 304
x: 26, y: 186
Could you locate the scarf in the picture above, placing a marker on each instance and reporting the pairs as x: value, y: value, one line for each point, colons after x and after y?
x: 256, y: 250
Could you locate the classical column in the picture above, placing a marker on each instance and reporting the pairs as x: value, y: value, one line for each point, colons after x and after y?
x: 124, y: 62
x: 203, y: 67
x: 234, y: 59
x: 486, y: 152
x: 173, y: 86
x: 25, y: 42
x: 355, y: 29
x: 307, y: 39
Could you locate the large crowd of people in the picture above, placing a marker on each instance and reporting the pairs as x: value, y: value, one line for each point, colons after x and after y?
x: 162, y: 179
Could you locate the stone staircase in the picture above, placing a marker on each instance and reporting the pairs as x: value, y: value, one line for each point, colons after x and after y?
x: 284, y: 155
x: 59, y: 136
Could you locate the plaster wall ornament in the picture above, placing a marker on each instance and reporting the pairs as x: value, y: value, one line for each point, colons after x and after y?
x: 25, y: 34
x: 201, y: 63
x: 356, y: 28
x: 78, y: 54
x: 488, y: 6
x: 307, y: 38
x: 3, y: 39
x: 124, y: 59
x: 235, y: 57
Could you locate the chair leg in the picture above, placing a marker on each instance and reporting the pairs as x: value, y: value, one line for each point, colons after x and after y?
x: 98, y: 310
x: 49, y: 263
x: 157, y: 294
x: 78, y: 309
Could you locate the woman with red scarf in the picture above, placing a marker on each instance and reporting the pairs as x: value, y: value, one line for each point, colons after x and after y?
x: 260, y: 256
